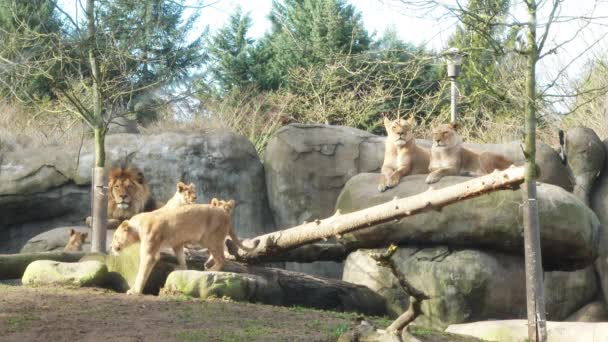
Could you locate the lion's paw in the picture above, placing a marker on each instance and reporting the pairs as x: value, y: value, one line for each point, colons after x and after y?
x: 432, y: 178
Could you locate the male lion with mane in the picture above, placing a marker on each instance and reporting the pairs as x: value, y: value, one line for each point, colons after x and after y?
x: 202, y: 223
x: 129, y: 195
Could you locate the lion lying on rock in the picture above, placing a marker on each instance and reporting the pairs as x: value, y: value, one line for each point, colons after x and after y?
x: 174, y: 227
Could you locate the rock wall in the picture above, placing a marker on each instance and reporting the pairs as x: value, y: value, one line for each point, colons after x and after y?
x: 569, y: 234
x: 467, y: 285
x: 44, y: 188
x: 307, y: 167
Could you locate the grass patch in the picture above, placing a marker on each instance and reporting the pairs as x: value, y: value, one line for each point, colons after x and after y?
x: 340, y: 329
x: 192, y: 336
x: 20, y: 322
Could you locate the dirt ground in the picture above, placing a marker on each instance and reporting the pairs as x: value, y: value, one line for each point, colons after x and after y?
x: 55, y: 314
x: 89, y: 314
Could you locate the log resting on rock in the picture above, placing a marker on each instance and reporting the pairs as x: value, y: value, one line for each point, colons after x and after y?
x: 339, y: 224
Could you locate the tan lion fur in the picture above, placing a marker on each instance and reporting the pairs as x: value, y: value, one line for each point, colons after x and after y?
x: 184, y: 194
x: 402, y: 156
x: 228, y: 206
x: 448, y: 157
x: 75, y: 241
x: 202, y: 223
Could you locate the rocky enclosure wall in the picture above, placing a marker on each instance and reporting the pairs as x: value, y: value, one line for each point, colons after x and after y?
x: 44, y: 188
x: 459, y: 254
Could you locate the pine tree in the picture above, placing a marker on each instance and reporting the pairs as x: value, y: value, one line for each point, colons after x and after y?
x: 232, y: 53
x: 309, y: 32
x: 155, y: 35
x: 17, y: 17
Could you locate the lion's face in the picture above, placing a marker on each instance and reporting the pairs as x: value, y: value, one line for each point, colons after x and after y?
x: 446, y: 136
x: 226, y: 205
x: 76, y: 241
x: 187, y: 193
x: 399, y: 131
x: 123, y: 237
x: 125, y: 185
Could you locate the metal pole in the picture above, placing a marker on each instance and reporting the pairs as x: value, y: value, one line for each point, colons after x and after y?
x: 454, y: 98
x: 100, y: 211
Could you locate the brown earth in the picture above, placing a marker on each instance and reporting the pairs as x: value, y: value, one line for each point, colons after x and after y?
x: 58, y: 314
x: 89, y: 314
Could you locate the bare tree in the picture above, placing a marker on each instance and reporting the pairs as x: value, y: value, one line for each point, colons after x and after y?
x: 94, y: 79
x: 534, y: 42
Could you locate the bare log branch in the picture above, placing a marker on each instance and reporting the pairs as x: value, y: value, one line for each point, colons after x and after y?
x: 339, y: 224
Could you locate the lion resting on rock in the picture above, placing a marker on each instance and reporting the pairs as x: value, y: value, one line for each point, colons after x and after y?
x: 129, y: 194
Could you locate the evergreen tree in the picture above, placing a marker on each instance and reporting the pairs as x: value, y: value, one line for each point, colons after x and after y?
x: 16, y: 18
x: 232, y: 53
x: 484, y: 41
x: 154, y: 34
x: 306, y: 33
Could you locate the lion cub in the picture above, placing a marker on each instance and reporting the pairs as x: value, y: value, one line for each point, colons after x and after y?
x: 200, y: 223
x: 76, y: 241
x: 184, y: 194
x: 448, y: 157
x: 402, y: 156
x: 228, y: 206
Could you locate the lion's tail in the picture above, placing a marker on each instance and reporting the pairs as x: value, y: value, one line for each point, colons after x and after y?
x: 238, y: 242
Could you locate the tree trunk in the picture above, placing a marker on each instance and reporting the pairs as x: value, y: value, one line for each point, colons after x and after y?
x: 534, y: 282
x: 100, y: 198
x: 337, y: 225
x: 12, y: 266
x: 100, y: 211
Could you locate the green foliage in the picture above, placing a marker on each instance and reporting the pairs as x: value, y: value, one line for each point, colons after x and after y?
x: 152, y: 36
x: 484, y: 40
x: 232, y: 54
x: 307, y: 33
x: 17, y: 18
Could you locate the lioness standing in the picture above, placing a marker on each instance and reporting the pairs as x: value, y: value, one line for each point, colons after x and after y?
x: 449, y: 158
x: 402, y: 156
x: 172, y: 228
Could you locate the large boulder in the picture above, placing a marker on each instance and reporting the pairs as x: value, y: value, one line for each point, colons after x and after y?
x: 517, y: 331
x: 48, y: 187
x: 48, y: 272
x: 586, y: 155
x: 595, y: 311
x: 569, y: 229
x: 240, y: 287
x: 467, y: 285
x: 599, y: 203
x: 307, y: 167
x: 56, y: 239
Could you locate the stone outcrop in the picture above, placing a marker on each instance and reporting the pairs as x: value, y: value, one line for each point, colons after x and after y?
x: 56, y: 239
x: 44, y: 188
x: 55, y: 273
x: 585, y: 154
x: 307, y: 167
x: 467, y: 285
x: 517, y: 331
x: 569, y: 234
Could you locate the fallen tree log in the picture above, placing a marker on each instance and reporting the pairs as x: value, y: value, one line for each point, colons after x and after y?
x: 12, y: 266
x: 272, y: 244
